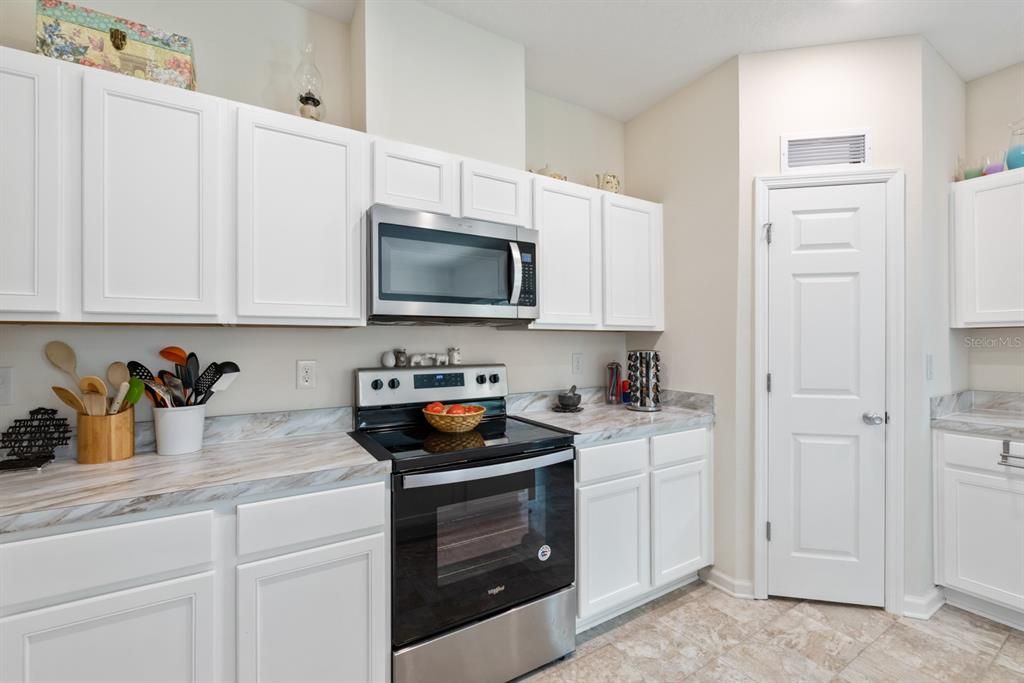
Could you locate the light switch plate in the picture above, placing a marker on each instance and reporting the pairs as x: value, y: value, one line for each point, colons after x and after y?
x: 6, y: 386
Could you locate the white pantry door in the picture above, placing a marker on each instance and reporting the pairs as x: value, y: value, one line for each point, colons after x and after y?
x: 826, y: 356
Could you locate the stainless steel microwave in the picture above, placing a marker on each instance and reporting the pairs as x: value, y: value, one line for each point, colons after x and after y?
x: 425, y: 266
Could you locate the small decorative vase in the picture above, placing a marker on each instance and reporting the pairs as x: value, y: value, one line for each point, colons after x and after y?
x: 1015, y: 154
x: 387, y: 359
x: 310, y: 86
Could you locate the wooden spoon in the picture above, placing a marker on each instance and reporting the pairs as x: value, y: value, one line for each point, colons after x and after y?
x: 70, y: 399
x: 95, y: 403
x: 117, y: 374
x: 94, y: 384
x: 63, y: 358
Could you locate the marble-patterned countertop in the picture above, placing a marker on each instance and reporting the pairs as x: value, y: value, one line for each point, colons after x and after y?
x: 997, y: 415
x: 65, y: 491
x: 600, y: 423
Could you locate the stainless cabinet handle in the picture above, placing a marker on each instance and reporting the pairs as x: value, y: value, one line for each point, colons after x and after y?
x: 872, y: 419
x: 1004, y: 457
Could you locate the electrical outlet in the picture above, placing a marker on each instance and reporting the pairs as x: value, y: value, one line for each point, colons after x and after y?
x: 577, y: 363
x: 6, y: 386
x: 929, y: 367
x: 305, y: 374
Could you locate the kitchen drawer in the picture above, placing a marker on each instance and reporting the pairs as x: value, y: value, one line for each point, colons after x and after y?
x: 980, y: 453
x: 52, y: 566
x: 671, y: 449
x: 282, y: 522
x: 614, y: 460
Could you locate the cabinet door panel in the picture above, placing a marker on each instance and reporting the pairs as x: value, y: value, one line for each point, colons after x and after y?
x: 413, y: 177
x: 633, y: 282
x: 989, y: 250
x: 299, y: 202
x: 680, y: 521
x: 315, y: 615
x: 150, y: 196
x: 160, y: 632
x: 494, y: 193
x: 30, y: 179
x: 614, y: 543
x: 568, y: 220
x: 983, y: 535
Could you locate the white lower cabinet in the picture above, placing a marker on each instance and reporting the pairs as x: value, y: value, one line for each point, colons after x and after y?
x: 314, y: 615
x: 157, y: 632
x: 614, y: 544
x: 979, y: 530
x: 150, y: 599
x: 680, y: 525
x: 644, y: 518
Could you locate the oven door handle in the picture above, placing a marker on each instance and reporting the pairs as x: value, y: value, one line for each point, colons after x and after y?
x: 517, y: 273
x: 416, y: 481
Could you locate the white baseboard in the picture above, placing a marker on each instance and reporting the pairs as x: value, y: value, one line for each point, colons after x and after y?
x: 989, y: 610
x: 924, y: 606
x: 592, y: 621
x: 738, y: 588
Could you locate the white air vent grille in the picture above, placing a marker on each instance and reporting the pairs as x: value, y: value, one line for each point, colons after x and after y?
x: 827, y: 151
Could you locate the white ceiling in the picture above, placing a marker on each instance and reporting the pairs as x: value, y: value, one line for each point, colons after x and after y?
x: 619, y: 57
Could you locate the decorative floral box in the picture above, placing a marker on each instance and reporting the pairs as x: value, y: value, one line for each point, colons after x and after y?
x: 84, y: 36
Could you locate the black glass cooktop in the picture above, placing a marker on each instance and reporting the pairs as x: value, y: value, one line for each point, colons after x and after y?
x: 419, y: 446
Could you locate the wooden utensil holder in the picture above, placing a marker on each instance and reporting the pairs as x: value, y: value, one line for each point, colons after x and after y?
x: 106, y: 438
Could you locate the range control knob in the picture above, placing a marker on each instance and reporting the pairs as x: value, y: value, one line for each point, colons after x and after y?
x: 495, y: 378
x: 376, y: 385
x: 481, y: 379
x: 394, y: 383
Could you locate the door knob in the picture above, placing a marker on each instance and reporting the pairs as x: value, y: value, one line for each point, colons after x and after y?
x: 873, y: 419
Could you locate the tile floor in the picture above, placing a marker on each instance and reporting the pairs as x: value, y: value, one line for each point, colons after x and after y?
x: 701, y: 634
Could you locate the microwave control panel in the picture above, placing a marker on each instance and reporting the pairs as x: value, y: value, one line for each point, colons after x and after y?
x: 528, y: 293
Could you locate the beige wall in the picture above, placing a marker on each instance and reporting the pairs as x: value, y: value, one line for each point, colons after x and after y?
x: 536, y: 360
x: 246, y: 52
x: 435, y: 80
x: 684, y: 152
x: 996, y: 356
x: 993, y: 103
x: 873, y: 84
x: 943, y: 112
x: 572, y: 140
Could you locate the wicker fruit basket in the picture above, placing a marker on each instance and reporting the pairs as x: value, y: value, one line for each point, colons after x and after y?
x: 454, y: 424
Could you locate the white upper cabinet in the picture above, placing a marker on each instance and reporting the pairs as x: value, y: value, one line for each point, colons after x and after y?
x: 413, y: 177
x: 150, y: 192
x: 495, y: 193
x: 988, y: 250
x: 633, y: 264
x: 30, y: 235
x: 568, y: 220
x: 300, y: 200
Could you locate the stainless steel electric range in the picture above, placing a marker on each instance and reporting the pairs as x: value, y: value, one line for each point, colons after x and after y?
x: 482, y: 527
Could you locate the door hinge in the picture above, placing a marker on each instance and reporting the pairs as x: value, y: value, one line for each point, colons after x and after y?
x: 768, y: 531
x: 887, y: 417
x: 769, y: 383
x: 768, y: 232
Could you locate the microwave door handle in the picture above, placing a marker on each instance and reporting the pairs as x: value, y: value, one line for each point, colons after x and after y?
x: 415, y: 481
x: 517, y: 273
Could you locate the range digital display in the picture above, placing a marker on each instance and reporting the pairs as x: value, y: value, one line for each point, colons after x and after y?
x: 434, y: 380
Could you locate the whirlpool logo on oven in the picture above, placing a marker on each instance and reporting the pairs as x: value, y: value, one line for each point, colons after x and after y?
x: 494, y: 591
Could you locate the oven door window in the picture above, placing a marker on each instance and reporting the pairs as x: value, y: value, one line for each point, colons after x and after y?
x: 470, y: 549
x: 417, y: 264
